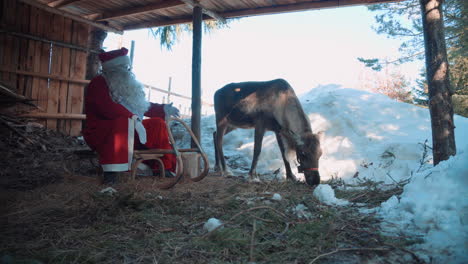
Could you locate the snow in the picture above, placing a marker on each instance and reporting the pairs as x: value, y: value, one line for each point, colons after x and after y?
x: 372, y: 137
x: 109, y: 191
x: 277, y: 197
x: 325, y: 194
x: 302, y: 211
x: 212, y: 224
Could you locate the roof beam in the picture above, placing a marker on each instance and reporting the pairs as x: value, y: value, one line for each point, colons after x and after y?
x: 140, y: 10
x: 311, y: 5
x: 61, y: 3
x: 71, y: 16
x: 208, y: 12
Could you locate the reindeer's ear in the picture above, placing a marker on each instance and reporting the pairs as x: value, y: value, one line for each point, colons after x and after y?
x: 321, y: 135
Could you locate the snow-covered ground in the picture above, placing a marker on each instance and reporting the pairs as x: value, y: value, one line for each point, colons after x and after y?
x: 369, y: 136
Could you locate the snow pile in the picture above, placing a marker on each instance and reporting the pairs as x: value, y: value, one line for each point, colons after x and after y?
x: 212, y: 224
x: 435, y: 204
x: 325, y: 194
x: 371, y: 137
x: 367, y: 136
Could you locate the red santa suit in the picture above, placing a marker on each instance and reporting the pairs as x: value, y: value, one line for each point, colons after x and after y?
x: 110, y: 128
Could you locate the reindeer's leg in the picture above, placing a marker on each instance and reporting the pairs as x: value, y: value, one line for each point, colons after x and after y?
x: 216, y: 167
x: 259, y: 133
x: 221, y: 129
x: 284, y: 154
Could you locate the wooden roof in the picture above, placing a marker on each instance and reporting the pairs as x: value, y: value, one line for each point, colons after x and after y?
x: 120, y: 15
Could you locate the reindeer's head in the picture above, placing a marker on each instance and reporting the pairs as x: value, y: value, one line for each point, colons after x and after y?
x: 308, y: 153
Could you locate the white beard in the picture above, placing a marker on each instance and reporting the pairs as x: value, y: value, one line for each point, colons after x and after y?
x: 126, y: 90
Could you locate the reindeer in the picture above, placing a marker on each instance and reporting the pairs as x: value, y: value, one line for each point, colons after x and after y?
x: 272, y: 106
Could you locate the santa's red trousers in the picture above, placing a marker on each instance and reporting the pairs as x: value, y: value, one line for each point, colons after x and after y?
x: 111, y: 140
x: 157, y: 138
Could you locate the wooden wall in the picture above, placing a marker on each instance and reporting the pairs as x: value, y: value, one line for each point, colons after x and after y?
x: 50, y: 73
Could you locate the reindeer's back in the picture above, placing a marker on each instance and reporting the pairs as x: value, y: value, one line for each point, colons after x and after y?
x: 247, y: 100
x: 233, y: 93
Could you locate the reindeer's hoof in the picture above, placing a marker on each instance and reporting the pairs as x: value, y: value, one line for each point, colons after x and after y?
x: 313, y: 180
x: 226, y: 173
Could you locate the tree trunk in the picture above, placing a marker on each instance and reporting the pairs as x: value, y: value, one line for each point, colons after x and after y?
x: 437, y: 74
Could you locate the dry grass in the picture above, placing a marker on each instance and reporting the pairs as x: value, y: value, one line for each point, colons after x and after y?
x: 74, y: 223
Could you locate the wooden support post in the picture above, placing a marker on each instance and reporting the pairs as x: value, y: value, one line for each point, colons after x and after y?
x: 196, y: 72
x: 169, y: 91
x: 96, y: 39
x: 437, y: 74
x: 132, y: 52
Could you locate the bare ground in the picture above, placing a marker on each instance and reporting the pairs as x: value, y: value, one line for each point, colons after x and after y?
x: 45, y: 219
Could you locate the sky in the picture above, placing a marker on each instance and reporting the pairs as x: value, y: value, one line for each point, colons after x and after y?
x: 305, y: 48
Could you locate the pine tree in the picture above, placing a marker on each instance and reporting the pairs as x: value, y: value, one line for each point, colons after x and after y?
x: 402, y: 20
x: 169, y: 35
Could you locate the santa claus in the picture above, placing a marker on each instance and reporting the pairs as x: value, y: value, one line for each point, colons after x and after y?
x: 115, y: 105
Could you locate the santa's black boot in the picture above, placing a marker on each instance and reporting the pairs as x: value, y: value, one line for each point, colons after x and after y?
x: 109, y: 178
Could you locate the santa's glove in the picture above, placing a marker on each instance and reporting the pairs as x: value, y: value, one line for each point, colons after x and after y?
x: 140, y: 129
x: 171, y: 111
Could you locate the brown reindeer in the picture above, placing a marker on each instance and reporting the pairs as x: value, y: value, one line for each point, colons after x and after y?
x: 273, y: 106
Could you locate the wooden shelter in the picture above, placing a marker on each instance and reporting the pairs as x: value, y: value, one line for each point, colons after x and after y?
x: 46, y: 45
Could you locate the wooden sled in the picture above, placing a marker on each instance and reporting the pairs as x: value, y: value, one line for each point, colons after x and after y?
x: 188, y: 160
x: 192, y: 164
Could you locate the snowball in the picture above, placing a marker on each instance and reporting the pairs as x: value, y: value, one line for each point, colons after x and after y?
x: 276, y: 197
x: 108, y: 190
x: 302, y: 211
x: 212, y: 224
x: 326, y: 195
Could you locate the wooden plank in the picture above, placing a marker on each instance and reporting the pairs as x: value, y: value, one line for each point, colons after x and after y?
x: 80, y: 37
x: 62, y: 3
x: 140, y: 10
x: 23, y: 21
x: 4, y: 6
x: 59, y: 43
x: 15, y: 52
x: 45, y: 61
x: 54, y: 115
x: 72, y: 16
x: 64, y: 126
x: 45, y: 76
x: 37, y: 27
x: 56, y: 61
x: 8, y: 21
x: 29, y: 66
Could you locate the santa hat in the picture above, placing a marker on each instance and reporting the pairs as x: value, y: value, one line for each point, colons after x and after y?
x: 114, y: 58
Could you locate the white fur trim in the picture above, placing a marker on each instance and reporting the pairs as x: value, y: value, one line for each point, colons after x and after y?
x: 115, y: 167
x: 131, y: 138
x: 121, y: 60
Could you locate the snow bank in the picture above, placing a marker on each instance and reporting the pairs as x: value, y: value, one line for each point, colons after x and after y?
x: 435, y: 205
x: 365, y: 133
x: 370, y: 136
